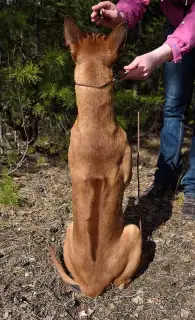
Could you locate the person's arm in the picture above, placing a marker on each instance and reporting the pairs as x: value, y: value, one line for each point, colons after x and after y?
x: 142, y: 66
x: 130, y: 11
x: 183, y: 38
x: 177, y: 44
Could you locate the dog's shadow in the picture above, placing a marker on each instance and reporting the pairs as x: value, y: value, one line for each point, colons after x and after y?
x: 152, y: 213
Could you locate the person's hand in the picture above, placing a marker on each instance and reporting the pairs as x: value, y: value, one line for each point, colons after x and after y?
x: 142, y: 66
x: 110, y: 16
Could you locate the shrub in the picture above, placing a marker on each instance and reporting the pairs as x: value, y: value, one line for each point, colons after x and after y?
x: 9, y: 194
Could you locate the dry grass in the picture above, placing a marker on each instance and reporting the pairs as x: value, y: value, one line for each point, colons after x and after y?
x: 30, y: 287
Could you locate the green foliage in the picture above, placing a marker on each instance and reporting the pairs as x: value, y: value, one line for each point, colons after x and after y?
x: 41, y: 161
x: 67, y: 97
x: 26, y: 74
x: 9, y: 194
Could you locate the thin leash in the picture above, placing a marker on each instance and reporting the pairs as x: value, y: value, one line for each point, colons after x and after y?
x: 115, y: 79
x: 138, y: 155
x: 138, y: 142
x: 138, y: 152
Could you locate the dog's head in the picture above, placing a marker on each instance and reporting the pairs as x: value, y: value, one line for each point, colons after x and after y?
x: 93, y: 53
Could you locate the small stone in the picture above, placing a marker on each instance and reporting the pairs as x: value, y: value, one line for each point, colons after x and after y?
x: 82, y: 314
x: 137, y: 300
x: 168, y: 241
x: 184, y: 314
x: 150, y: 300
x: 26, y: 274
x: 16, y: 301
x: 19, y: 229
x: 89, y: 312
x: 6, y: 315
x: 52, y: 239
x: 140, y: 291
x: 23, y: 305
x: 186, y: 258
x: 140, y: 308
x: 190, y: 234
x: 112, y: 306
x: 63, y: 315
x: 32, y: 259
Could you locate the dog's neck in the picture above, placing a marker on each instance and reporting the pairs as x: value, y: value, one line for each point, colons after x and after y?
x: 95, y: 105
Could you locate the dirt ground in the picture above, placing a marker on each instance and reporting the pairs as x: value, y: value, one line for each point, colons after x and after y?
x: 30, y: 288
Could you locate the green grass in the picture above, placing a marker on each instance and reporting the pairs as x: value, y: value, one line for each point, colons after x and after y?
x: 9, y: 194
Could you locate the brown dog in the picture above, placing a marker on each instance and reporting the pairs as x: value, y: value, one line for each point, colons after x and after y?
x: 98, y: 249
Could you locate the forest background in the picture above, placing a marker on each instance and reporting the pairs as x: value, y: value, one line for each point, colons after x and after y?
x: 37, y: 105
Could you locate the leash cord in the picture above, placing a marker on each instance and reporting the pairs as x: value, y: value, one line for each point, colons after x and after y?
x: 138, y: 141
x: 138, y: 154
x: 138, y: 150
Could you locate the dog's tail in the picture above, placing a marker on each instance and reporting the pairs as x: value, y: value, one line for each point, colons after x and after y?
x: 62, y: 273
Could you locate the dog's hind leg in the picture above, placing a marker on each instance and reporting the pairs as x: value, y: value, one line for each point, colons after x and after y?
x: 134, y: 239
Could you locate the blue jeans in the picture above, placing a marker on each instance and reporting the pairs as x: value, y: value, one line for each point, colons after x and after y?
x: 178, y: 82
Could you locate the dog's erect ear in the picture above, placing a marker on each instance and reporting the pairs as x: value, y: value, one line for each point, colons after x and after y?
x: 72, y: 33
x: 116, y: 39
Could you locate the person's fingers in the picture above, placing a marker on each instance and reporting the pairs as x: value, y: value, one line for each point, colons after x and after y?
x: 102, y: 5
x: 132, y: 65
x: 96, y: 19
x: 135, y: 77
x: 99, y: 22
x: 135, y: 74
x: 94, y: 14
x: 125, y: 74
x: 110, y: 14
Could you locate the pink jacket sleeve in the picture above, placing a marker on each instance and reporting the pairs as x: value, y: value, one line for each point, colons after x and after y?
x: 183, y: 38
x: 133, y: 10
